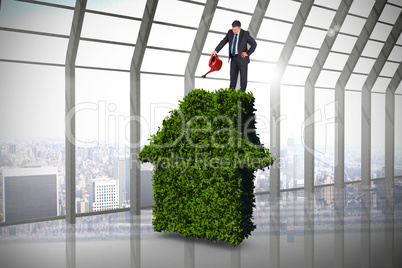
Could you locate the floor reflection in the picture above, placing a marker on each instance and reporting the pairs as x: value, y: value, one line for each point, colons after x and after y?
x: 350, y: 227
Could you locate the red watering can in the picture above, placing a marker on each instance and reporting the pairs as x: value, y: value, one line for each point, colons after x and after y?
x: 215, y: 63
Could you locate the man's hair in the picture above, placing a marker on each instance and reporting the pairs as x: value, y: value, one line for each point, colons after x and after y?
x: 236, y: 23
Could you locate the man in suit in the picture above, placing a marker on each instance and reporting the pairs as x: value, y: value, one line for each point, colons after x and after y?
x: 238, y: 53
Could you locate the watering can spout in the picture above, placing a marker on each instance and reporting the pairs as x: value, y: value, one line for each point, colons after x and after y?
x: 215, y: 63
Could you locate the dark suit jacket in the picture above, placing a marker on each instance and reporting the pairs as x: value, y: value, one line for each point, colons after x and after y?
x: 244, y: 38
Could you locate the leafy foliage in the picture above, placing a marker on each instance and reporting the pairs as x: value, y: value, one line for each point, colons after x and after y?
x: 204, y: 159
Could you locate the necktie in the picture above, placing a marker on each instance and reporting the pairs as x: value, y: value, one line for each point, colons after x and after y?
x: 234, y: 46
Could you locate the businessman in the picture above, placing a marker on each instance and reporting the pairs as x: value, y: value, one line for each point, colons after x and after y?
x: 238, y: 53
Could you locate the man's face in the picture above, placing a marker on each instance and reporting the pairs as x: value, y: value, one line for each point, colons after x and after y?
x: 236, y: 29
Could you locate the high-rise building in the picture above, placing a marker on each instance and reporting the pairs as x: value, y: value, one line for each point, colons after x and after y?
x: 121, y: 172
x: 103, y: 194
x: 29, y: 193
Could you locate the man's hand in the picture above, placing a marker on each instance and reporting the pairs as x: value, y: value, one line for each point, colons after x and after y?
x: 243, y: 54
x: 214, y: 53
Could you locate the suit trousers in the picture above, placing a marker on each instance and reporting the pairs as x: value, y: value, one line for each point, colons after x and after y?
x: 238, y: 64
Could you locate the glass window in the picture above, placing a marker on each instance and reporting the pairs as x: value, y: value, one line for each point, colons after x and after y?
x: 260, y: 72
x: 60, y: 2
x: 161, y: 36
x: 311, y: 37
x: 223, y: 20
x: 303, y: 56
x: 103, y: 136
x: 164, y: 61
x: 327, y: 79
x: 353, y: 113
x: 361, y: 7
x: 110, y: 28
x: 372, y: 49
x: 283, y: 9
x: 364, y: 65
x: 27, y: 16
x: 336, y: 61
x: 381, y: 84
x: 390, y: 14
x: 328, y: 3
x: 212, y: 42
x: 274, y: 49
x: 32, y: 136
x: 178, y: 12
x: 248, y: 6
x: 324, y: 136
x: 356, y: 82
x: 389, y: 69
x: 29, y: 47
x: 211, y: 84
x: 295, y: 75
x: 398, y: 134
x: 292, y: 150
x: 274, y: 30
x: 120, y: 7
x: 320, y: 17
x: 377, y: 135
x: 344, y: 43
x: 352, y: 25
x: 381, y: 31
x: 399, y: 89
x: 396, y: 54
x: 102, y: 55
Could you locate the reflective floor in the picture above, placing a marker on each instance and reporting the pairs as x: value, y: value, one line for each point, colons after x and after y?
x: 352, y: 227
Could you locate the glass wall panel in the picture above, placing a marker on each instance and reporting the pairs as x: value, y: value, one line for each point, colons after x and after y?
x: 274, y: 49
x: 324, y: 132
x: 352, y: 25
x: 389, y: 69
x: 161, y: 36
x: 328, y: 3
x: 28, y: 47
x: 102, y: 55
x: 164, y: 61
x: 120, y: 7
x: 381, y: 84
x: 377, y: 135
x: 103, y: 135
x: 353, y: 131
x: 372, y: 49
x: 336, y: 61
x: 110, y: 28
x: 260, y: 72
x: 364, y: 65
x: 356, y: 82
x: 327, y: 79
x: 27, y: 16
x: 396, y: 54
x: 283, y: 9
x: 381, y: 31
x: 311, y: 37
x: 398, y: 135
x: 60, y: 2
x: 303, y: 56
x: 390, y: 14
x: 261, y: 94
x: 223, y: 20
x: 178, y: 12
x: 320, y: 17
x: 295, y: 76
x: 361, y: 7
x: 211, y: 84
x: 344, y: 43
x: 274, y: 30
x: 244, y: 6
x: 32, y: 163
x: 292, y: 150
